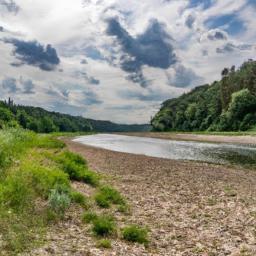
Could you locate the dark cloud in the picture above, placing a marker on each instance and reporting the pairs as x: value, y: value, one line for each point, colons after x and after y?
x: 184, y: 77
x: 230, y: 47
x: 151, y: 48
x: 148, y: 96
x: 10, y: 85
x: 10, y: 6
x: 138, y: 77
x: 217, y: 35
x: 190, y: 20
x: 1, y: 29
x: 89, y: 79
x: 34, y: 54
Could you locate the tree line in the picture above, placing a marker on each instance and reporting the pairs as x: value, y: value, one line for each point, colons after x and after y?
x: 43, y: 121
x: 225, y: 105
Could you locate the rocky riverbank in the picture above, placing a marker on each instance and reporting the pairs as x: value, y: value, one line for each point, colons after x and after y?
x: 190, y: 208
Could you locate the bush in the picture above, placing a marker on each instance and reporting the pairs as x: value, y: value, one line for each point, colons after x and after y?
x: 90, y: 178
x: 108, y: 195
x: 59, y: 201
x: 104, y: 225
x: 44, y: 179
x: 79, y: 198
x: 76, y: 167
x: 89, y: 217
x: 137, y: 234
x: 102, y: 200
x: 104, y: 243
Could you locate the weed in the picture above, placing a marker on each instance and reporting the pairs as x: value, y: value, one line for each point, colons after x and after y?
x: 89, y: 217
x: 104, y: 243
x: 135, y: 233
x: 108, y: 195
x: 104, y: 225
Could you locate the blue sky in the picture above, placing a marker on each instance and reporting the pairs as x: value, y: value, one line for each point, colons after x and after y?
x: 118, y: 59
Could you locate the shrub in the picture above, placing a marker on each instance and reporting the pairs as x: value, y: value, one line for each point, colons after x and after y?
x: 104, y: 225
x: 134, y: 233
x: 90, y: 178
x: 104, y: 243
x: 78, y: 198
x: 102, y: 200
x: 89, y: 217
x: 44, y: 179
x: 108, y: 195
x: 59, y: 201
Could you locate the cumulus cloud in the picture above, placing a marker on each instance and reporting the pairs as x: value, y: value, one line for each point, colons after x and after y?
x: 151, y: 48
x: 34, y: 54
x: 119, y: 59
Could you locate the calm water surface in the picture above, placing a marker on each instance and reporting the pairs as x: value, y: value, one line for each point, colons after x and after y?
x: 221, y: 153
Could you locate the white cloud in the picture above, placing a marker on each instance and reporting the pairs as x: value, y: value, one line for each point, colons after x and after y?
x: 76, y: 27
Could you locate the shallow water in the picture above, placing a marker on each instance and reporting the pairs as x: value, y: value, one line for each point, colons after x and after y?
x: 221, y: 153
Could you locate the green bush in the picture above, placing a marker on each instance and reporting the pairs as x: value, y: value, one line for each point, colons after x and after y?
x: 104, y: 243
x: 104, y: 226
x: 102, y: 201
x: 91, y: 178
x: 108, y: 195
x: 44, y: 179
x: 89, y: 217
x: 79, y: 198
x: 134, y: 233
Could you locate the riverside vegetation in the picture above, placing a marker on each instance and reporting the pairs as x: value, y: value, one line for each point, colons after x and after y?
x: 227, y: 105
x: 36, y: 176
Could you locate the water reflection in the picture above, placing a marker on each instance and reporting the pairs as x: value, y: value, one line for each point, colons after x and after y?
x: 221, y: 153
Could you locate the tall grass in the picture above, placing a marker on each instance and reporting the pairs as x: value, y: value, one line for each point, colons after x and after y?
x: 34, y: 188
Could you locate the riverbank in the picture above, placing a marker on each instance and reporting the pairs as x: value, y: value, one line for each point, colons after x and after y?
x: 190, y: 208
x: 247, y: 138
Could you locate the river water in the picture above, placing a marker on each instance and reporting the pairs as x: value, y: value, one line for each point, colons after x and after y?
x: 220, y: 153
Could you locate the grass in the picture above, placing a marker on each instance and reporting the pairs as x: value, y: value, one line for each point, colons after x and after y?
x: 80, y: 199
x: 35, y: 186
x: 89, y: 217
x: 104, y: 225
x: 76, y: 167
x: 35, y: 190
x: 107, y: 196
x: 136, y: 234
x: 104, y: 243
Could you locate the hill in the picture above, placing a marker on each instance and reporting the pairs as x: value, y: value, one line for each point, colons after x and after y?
x: 226, y: 105
x: 41, y: 120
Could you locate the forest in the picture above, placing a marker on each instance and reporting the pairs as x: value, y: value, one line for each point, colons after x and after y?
x: 43, y: 121
x: 225, y: 105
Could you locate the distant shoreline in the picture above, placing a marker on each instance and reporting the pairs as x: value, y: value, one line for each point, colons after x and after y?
x: 236, y: 139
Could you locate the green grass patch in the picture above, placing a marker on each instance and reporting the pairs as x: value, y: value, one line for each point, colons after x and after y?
x: 136, y: 234
x: 76, y: 167
x: 104, y: 225
x: 89, y: 217
x: 79, y: 198
x: 107, y: 196
x: 104, y: 243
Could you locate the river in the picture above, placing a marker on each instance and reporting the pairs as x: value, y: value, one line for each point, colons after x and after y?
x: 219, y: 153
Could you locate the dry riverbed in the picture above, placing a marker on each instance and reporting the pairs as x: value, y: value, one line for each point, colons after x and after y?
x: 190, y: 208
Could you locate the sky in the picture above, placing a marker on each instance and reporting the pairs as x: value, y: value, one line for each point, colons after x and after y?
x: 118, y: 60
